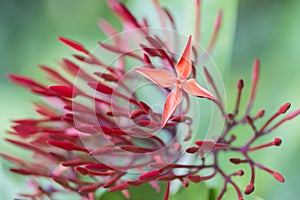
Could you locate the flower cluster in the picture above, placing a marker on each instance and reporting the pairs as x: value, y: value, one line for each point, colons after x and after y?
x: 97, y: 131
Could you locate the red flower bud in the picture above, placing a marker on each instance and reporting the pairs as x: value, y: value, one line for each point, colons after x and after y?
x: 150, y: 175
x: 278, y: 177
x: 249, y: 189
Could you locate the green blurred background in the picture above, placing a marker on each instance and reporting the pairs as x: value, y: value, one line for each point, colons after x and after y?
x: 268, y: 29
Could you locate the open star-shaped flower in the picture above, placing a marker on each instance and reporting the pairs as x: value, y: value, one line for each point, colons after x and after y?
x: 181, y: 83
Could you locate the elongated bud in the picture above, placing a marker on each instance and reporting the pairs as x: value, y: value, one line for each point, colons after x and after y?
x: 101, y: 87
x: 22, y: 171
x: 70, y: 66
x: 75, y: 45
x: 82, y: 170
x: 73, y: 163
x: 150, y: 175
x: 107, y: 77
x: 284, y: 108
x: 98, y: 166
x: 192, y: 150
x: 90, y: 188
x: 144, y: 106
x: 123, y: 12
x: 64, y: 91
x: 235, y: 160
x: 86, y: 59
x: 66, y: 145
x: 194, y: 178
x: 23, y: 81
x: 135, y: 149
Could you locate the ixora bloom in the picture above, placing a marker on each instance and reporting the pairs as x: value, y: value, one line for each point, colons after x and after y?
x: 95, y: 131
x: 164, y: 78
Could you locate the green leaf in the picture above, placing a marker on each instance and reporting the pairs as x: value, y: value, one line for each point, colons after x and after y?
x: 112, y: 195
x: 143, y: 192
x: 212, y: 194
x: 194, y: 191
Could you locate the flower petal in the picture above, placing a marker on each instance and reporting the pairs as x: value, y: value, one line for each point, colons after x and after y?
x: 172, y: 102
x: 193, y: 88
x: 184, y: 65
x: 162, y: 78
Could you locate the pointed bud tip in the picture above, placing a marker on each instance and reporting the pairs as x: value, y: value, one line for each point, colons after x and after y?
x: 22, y: 80
x: 260, y: 114
x: 278, y: 177
x: 73, y: 44
x: 284, y: 108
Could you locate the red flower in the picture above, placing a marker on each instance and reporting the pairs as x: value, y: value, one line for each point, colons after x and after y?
x: 164, y: 78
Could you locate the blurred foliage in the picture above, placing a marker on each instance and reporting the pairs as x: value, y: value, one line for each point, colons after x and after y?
x: 193, y: 191
x: 268, y: 29
x: 145, y: 192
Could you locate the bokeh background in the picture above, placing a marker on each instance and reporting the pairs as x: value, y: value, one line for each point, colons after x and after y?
x: 268, y: 29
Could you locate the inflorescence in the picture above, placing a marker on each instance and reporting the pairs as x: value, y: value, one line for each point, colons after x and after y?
x: 98, y: 143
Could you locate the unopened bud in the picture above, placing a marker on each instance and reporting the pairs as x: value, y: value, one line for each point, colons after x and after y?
x: 277, y: 141
x: 278, y: 177
x: 249, y: 189
x: 284, y: 108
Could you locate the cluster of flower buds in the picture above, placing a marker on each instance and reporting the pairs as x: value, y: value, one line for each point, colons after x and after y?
x: 96, y: 130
